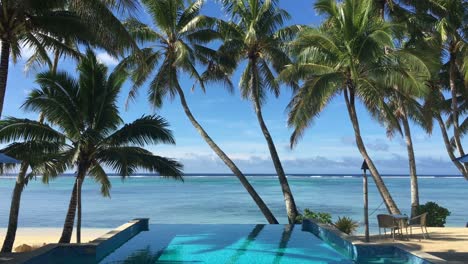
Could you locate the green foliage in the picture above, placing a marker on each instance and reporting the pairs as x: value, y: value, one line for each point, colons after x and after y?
x: 171, y: 45
x: 436, y: 214
x: 351, y: 54
x: 324, y: 218
x: 346, y: 225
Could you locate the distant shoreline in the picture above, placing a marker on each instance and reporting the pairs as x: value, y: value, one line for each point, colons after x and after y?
x: 310, y: 175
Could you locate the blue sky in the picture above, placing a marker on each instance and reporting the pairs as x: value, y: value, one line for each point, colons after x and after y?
x: 327, y: 147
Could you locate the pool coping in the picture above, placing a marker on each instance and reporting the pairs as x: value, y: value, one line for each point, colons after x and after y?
x: 354, y: 242
x: 106, y: 244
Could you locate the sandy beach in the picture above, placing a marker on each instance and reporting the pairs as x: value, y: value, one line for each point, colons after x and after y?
x: 39, y: 235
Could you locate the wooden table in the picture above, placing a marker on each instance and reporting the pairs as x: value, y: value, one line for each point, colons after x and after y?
x: 402, y: 222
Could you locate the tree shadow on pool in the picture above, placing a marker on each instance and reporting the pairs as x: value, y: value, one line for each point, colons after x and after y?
x: 214, y: 243
x: 147, y: 256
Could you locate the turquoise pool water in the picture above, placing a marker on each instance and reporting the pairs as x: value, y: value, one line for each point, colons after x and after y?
x: 226, y: 244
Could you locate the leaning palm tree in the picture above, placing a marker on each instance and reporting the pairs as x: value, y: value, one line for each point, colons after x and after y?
x: 175, y: 46
x: 352, y: 53
x: 451, y: 25
x: 42, y: 150
x: 436, y: 106
x: 255, y: 36
x: 405, y: 108
x: 42, y: 157
x: 399, y: 104
x: 84, y: 116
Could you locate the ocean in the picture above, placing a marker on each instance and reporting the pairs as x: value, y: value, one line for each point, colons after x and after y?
x: 220, y: 199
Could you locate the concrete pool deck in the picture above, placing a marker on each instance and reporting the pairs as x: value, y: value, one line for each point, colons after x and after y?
x: 447, y: 243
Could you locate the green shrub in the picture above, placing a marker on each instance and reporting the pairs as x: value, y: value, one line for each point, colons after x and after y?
x: 436, y: 214
x: 346, y: 225
x: 324, y: 218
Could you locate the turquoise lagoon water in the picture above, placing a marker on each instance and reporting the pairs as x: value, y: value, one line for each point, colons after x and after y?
x: 226, y: 244
x: 221, y: 199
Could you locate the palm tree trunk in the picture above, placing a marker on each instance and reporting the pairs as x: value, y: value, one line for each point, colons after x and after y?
x: 70, y: 218
x: 386, y: 196
x: 453, y: 90
x: 258, y: 200
x: 4, y: 63
x: 14, y: 209
x: 78, y: 217
x: 412, y: 166
x: 291, y: 208
x: 449, y: 148
x: 71, y: 213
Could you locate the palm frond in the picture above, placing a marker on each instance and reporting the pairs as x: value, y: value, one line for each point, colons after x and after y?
x: 100, y: 176
x: 15, y: 129
x: 143, y: 131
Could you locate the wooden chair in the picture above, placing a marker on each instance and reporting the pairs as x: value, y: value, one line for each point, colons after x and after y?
x: 419, y: 221
x: 387, y: 221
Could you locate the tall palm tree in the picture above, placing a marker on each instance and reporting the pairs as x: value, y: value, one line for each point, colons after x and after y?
x: 23, y: 150
x: 352, y: 53
x: 448, y: 20
x: 85, y: 113
x: 416, y: 39
x: 451, y: 25
x: 404, y: 108
x: 175, y: 46
x: 255, y: 36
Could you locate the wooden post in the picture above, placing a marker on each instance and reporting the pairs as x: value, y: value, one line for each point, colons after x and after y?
x: 78, y: 222
x: 366, y: 200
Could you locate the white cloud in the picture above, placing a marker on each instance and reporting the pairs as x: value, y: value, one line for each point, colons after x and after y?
x: 107, y: 59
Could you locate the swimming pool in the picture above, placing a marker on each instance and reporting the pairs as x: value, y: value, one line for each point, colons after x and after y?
x: 139, y: 242
x: 226, y: 244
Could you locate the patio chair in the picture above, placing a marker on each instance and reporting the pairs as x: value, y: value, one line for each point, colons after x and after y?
x: 419, y: 221
x: 387, y: 221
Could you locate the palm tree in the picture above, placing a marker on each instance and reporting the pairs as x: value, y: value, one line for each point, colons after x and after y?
x: 447, y: 20
x: 40, y: 25
x: 255, y: 36
x: 85, y: 114
x: 42, y: 156
x: 451, y: 25
x: 23, y: 150
x: 437, y: 106
x: 405, y: 107
x: 176, y: 46
x: 352, y: 53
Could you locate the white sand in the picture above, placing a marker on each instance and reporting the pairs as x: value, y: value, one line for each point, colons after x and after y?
x: 41, y: 235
